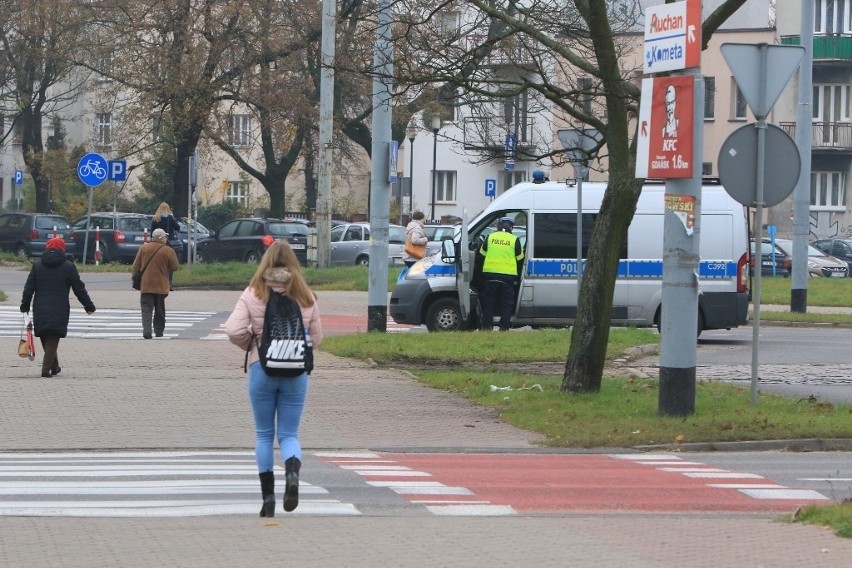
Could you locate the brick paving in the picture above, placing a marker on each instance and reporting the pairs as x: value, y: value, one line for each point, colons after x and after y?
x: 190, y: 394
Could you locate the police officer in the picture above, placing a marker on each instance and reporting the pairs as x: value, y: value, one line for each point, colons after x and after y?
x: 503, y: 256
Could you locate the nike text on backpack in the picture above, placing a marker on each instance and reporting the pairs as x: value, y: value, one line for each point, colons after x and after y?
x: 285, y: 348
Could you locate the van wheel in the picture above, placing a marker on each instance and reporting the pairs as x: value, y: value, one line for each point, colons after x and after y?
x: 363, y: 260
x: 444, y: 314
x: 21, y: 250
x: 199, y: 257
x: 253, y: 257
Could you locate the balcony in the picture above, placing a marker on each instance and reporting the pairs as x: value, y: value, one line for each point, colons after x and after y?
x: 828, y: 136
x: 827, y: 47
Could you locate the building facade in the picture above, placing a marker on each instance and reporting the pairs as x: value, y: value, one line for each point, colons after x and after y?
x: 831, y: 117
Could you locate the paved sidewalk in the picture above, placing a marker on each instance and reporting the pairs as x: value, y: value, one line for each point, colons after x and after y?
x: 190, y: 394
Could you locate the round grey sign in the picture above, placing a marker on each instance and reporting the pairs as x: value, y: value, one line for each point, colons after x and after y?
x: 738, y: 165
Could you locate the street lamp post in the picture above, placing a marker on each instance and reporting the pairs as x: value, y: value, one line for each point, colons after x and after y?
x: 436, y: 126
x: 411, y: 134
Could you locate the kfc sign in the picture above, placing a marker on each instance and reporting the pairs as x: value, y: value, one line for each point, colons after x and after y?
x: 664, y: 148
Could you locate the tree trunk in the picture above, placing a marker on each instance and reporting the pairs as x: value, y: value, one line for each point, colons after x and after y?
x: 32, y: 150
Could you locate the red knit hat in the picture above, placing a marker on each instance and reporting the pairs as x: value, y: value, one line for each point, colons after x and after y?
x: 55, y: 244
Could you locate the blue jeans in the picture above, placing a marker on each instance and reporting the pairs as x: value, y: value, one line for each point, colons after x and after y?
x: 276, y: 397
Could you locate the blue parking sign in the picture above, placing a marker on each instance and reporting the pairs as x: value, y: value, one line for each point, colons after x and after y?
x: 19, y: 177
x: 490, y: 188
x: 117, y: 170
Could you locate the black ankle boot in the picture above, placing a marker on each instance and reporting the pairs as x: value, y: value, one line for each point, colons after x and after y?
x: 267, y: 489
x: 291, y: 488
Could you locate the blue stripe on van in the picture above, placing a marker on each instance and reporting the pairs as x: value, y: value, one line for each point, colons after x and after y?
x: 630, y: 268
x: 567, y: 268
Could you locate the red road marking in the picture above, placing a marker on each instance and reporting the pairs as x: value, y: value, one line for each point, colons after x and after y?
x: 549, y: 483
x: 338, y: 325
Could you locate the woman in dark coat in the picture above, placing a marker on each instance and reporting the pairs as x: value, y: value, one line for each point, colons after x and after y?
x: 50, y: 280
x: 164, y: 219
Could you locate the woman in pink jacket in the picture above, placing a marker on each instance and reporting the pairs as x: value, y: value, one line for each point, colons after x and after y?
x: 275, y: 397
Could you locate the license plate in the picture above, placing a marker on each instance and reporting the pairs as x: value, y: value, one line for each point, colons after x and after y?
x: 838, y: 275
x: 139, y: 238
x: 397, y: 260
x: 297, y: 246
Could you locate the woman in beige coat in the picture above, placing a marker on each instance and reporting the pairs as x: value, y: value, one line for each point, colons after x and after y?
x: 275, y: 400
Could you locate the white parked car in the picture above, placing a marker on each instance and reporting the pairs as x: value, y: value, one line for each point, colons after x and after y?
x: 350, y: 244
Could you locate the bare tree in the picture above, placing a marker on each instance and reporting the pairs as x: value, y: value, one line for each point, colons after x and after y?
x: 174, y: 59
x: 39, y: 79
x: 572, y: 54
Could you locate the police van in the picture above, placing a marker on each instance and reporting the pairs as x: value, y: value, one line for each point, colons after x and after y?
x: 546, y: 221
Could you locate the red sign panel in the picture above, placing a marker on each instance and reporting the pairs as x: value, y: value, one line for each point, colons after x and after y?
x: 664, y: 147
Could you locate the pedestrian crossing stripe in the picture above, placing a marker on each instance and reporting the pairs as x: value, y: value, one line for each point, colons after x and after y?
x: 409, y: 484
x: 180, y: 484
x: 760, y: 489
x: 163, y: 484
x: 107, y: 323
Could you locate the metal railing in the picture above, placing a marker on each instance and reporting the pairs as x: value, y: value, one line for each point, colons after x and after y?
x: 825, y: 135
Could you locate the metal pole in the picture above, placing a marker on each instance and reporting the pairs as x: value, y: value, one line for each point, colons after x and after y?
x: 434, y: 167
x: 679, y: 317
x: 758, y: 222
x: 411, y: 176
x: 579, y: 227
x: 377, y: 308
x: 801, y: 193
x: 326, y: 121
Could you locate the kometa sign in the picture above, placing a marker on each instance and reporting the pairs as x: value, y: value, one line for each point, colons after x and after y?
x: 664, y: 146
x: 673, y: 36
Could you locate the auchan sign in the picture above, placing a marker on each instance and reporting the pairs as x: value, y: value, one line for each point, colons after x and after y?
x: 672, y: 36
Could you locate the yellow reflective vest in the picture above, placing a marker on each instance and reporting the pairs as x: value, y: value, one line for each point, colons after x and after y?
x: 500, y: 254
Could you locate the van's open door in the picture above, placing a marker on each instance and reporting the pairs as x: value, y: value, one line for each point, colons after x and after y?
x: 463, y: 273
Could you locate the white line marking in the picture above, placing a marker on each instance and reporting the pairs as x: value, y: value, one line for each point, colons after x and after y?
x: 725, y: 475
x: 471, y: 510
x: 783, y: 494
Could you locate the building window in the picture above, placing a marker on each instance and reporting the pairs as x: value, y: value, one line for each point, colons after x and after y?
x: 584, y: 97
x: 156, y: 129
x: 240, y: 130
x: 445, y: 186
x: 709, y: 98
x: 828, y: 190
x: 102, y: 63
x: 449, y: 23
x: 238, y: 191
x: 516, y: 117
x: 832, y: 16
x: 739, y: 106
x: 831, y: 103
x: 103, y: 126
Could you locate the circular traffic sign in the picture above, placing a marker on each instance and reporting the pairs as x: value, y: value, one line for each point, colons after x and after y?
x: 92, y: 169
x: 738, y: 165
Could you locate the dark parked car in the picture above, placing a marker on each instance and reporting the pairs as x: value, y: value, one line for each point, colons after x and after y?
x: 838, y: 248
x: 120, y: 235
x: 26, y: 234
x: 181, y: 241
x: 773, y: 262
x: 819, y: 263
x: 199, y: 232
x: 245, y: 240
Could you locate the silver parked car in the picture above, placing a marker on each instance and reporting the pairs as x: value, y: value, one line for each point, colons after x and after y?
x: 350, y: 244
x: 819, y: 263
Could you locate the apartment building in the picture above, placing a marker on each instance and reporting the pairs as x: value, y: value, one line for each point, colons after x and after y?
x: 831, y: 115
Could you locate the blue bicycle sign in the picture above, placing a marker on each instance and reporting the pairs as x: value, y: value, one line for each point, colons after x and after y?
x: 92, y: 169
